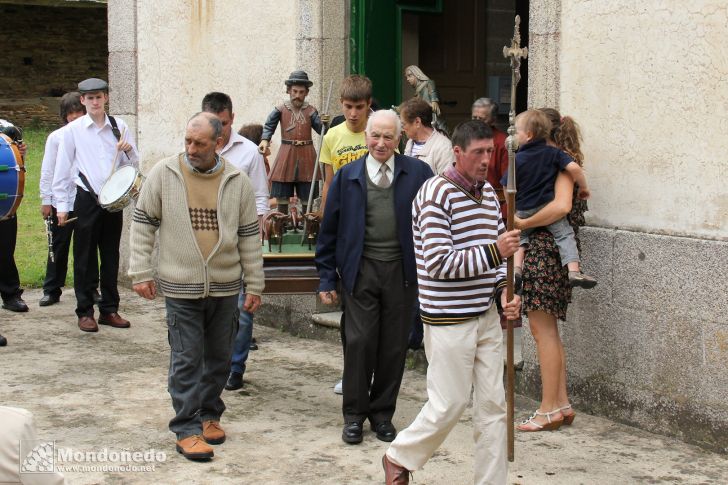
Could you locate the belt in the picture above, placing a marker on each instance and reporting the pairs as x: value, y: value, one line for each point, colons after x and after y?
x: 297, y: 143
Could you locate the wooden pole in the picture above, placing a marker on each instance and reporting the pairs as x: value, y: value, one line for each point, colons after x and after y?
x: 514, y: 52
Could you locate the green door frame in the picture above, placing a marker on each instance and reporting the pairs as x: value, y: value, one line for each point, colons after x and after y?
x: 376, y: 26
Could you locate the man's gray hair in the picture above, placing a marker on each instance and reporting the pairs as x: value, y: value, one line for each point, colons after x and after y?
x: 212, y: 119
x: 486, y: 103
x: 387, y: 114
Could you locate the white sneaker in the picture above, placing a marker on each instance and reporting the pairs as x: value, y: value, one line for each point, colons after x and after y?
x: 338, y: 388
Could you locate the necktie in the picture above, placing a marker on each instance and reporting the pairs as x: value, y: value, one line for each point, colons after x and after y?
x: 384, y: 179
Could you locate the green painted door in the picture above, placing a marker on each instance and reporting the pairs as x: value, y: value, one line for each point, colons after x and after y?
x: 376, y: 43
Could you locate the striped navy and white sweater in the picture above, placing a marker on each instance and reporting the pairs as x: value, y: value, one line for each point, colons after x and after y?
x: 459, y: 267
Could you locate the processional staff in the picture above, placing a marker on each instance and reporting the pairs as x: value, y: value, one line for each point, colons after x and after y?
x: 316, y: 168
x: 514, y: 52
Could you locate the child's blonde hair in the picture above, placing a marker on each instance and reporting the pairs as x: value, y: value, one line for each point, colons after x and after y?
x: 536, y: 123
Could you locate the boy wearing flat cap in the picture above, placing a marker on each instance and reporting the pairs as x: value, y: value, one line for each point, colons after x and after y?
x: 90, y: 146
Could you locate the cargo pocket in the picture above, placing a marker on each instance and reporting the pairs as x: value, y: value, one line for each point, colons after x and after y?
x: 173, y: 334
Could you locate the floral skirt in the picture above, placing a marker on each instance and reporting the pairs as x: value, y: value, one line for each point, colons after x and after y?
x: 545, y: 281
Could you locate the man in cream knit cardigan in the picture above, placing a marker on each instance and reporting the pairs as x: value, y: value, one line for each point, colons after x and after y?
x: 204, y: 211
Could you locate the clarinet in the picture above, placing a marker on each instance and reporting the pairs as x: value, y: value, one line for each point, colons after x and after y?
x: 49, y: 234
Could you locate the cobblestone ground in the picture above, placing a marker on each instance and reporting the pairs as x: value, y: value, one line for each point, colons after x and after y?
x: 108, y: 390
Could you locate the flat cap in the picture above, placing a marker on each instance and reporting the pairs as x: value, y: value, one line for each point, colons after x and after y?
x: 93, y: 84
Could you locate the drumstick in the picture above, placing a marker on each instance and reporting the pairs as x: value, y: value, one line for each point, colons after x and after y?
x: 116, y: 155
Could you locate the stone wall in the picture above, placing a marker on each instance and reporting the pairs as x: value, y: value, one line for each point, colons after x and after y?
x: 649, y: 345
x: 46, y: 51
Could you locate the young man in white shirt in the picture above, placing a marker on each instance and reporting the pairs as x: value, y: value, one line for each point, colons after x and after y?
x: 56, y: 268
x: 90, y: 146
x: 244, y: 155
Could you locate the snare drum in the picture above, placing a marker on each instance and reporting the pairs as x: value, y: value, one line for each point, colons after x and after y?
x: 121, y: 188
x: 12, y: 177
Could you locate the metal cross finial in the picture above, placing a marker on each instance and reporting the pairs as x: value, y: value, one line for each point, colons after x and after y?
x: 515, y: 51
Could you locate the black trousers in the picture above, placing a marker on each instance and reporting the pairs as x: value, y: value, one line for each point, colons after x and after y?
x: 378, y: 318
x: 96, y: 230
x: 9, y: 278
x: 56, y: 270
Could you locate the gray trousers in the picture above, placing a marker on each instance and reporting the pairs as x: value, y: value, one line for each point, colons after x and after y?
x: 201, y: 334
x: 563, y: 236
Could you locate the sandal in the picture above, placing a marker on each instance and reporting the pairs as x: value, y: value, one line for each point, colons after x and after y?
x: 568, y: 418
x: 531, y: 425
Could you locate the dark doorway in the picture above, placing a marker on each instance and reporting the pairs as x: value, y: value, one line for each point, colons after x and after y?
x: 461, y: 49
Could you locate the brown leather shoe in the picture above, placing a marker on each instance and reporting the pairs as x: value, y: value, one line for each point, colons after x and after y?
x: 194, y: 448
x: 87, y: 324
x: 213, y: 432
x: 393, y: 473
x: 114, y: 320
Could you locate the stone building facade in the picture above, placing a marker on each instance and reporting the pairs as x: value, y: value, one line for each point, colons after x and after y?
x: 649, y: 345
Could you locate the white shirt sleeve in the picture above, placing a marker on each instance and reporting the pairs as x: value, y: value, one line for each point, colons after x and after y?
x: 260, y: 183
x: 48, y: 167
x: 63, y: 174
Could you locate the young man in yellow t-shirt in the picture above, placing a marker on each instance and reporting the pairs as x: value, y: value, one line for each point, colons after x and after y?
x: 345, y: 143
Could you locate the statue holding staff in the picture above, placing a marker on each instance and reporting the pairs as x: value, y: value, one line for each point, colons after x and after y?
x: 293, y: 168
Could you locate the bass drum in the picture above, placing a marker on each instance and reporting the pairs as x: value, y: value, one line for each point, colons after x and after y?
x: 12, y: 177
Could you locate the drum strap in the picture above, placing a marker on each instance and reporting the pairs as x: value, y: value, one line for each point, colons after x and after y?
x: 117, y: 135
x: 88, y: 187
x: 115, y: 128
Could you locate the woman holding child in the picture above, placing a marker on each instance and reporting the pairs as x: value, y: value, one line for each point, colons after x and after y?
x: 546, y: 280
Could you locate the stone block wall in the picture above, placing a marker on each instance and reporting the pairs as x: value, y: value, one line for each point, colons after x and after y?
x: 648, y: 346
x: 46, y: 51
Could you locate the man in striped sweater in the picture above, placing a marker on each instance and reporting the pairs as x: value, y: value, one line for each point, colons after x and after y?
x: 460, y: 247
x: 204, y: 211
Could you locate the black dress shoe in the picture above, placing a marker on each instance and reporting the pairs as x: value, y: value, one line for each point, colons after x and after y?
x: 253, y: 344
x: 385, y: 431
x: 234, y: 382
x: 3, y: 341
x: 15, y: 304
x: 352, y: 433
x: 49, y: 300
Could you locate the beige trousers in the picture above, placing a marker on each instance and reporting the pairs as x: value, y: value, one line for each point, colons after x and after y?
x: 461, y: 358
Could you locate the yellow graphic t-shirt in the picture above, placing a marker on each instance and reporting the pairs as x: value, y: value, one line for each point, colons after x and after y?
x: 342, y: 146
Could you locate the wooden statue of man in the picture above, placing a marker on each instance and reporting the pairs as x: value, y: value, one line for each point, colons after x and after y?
x: 293, y: 167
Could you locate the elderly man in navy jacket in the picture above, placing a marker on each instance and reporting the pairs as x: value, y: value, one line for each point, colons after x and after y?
x: 366, y: 240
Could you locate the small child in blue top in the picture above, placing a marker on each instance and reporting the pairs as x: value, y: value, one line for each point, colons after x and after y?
x: 537, y: 166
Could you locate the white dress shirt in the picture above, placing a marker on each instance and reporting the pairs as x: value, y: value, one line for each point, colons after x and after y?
x: 88, y: 149
x: 48, y: 168
x: 244, y: 155
x: 373, y: 166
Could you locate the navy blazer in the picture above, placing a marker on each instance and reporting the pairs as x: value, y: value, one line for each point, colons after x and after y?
x: 341, y: 237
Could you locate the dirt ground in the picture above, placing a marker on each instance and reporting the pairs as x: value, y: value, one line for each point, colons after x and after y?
x: 108, y: 390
